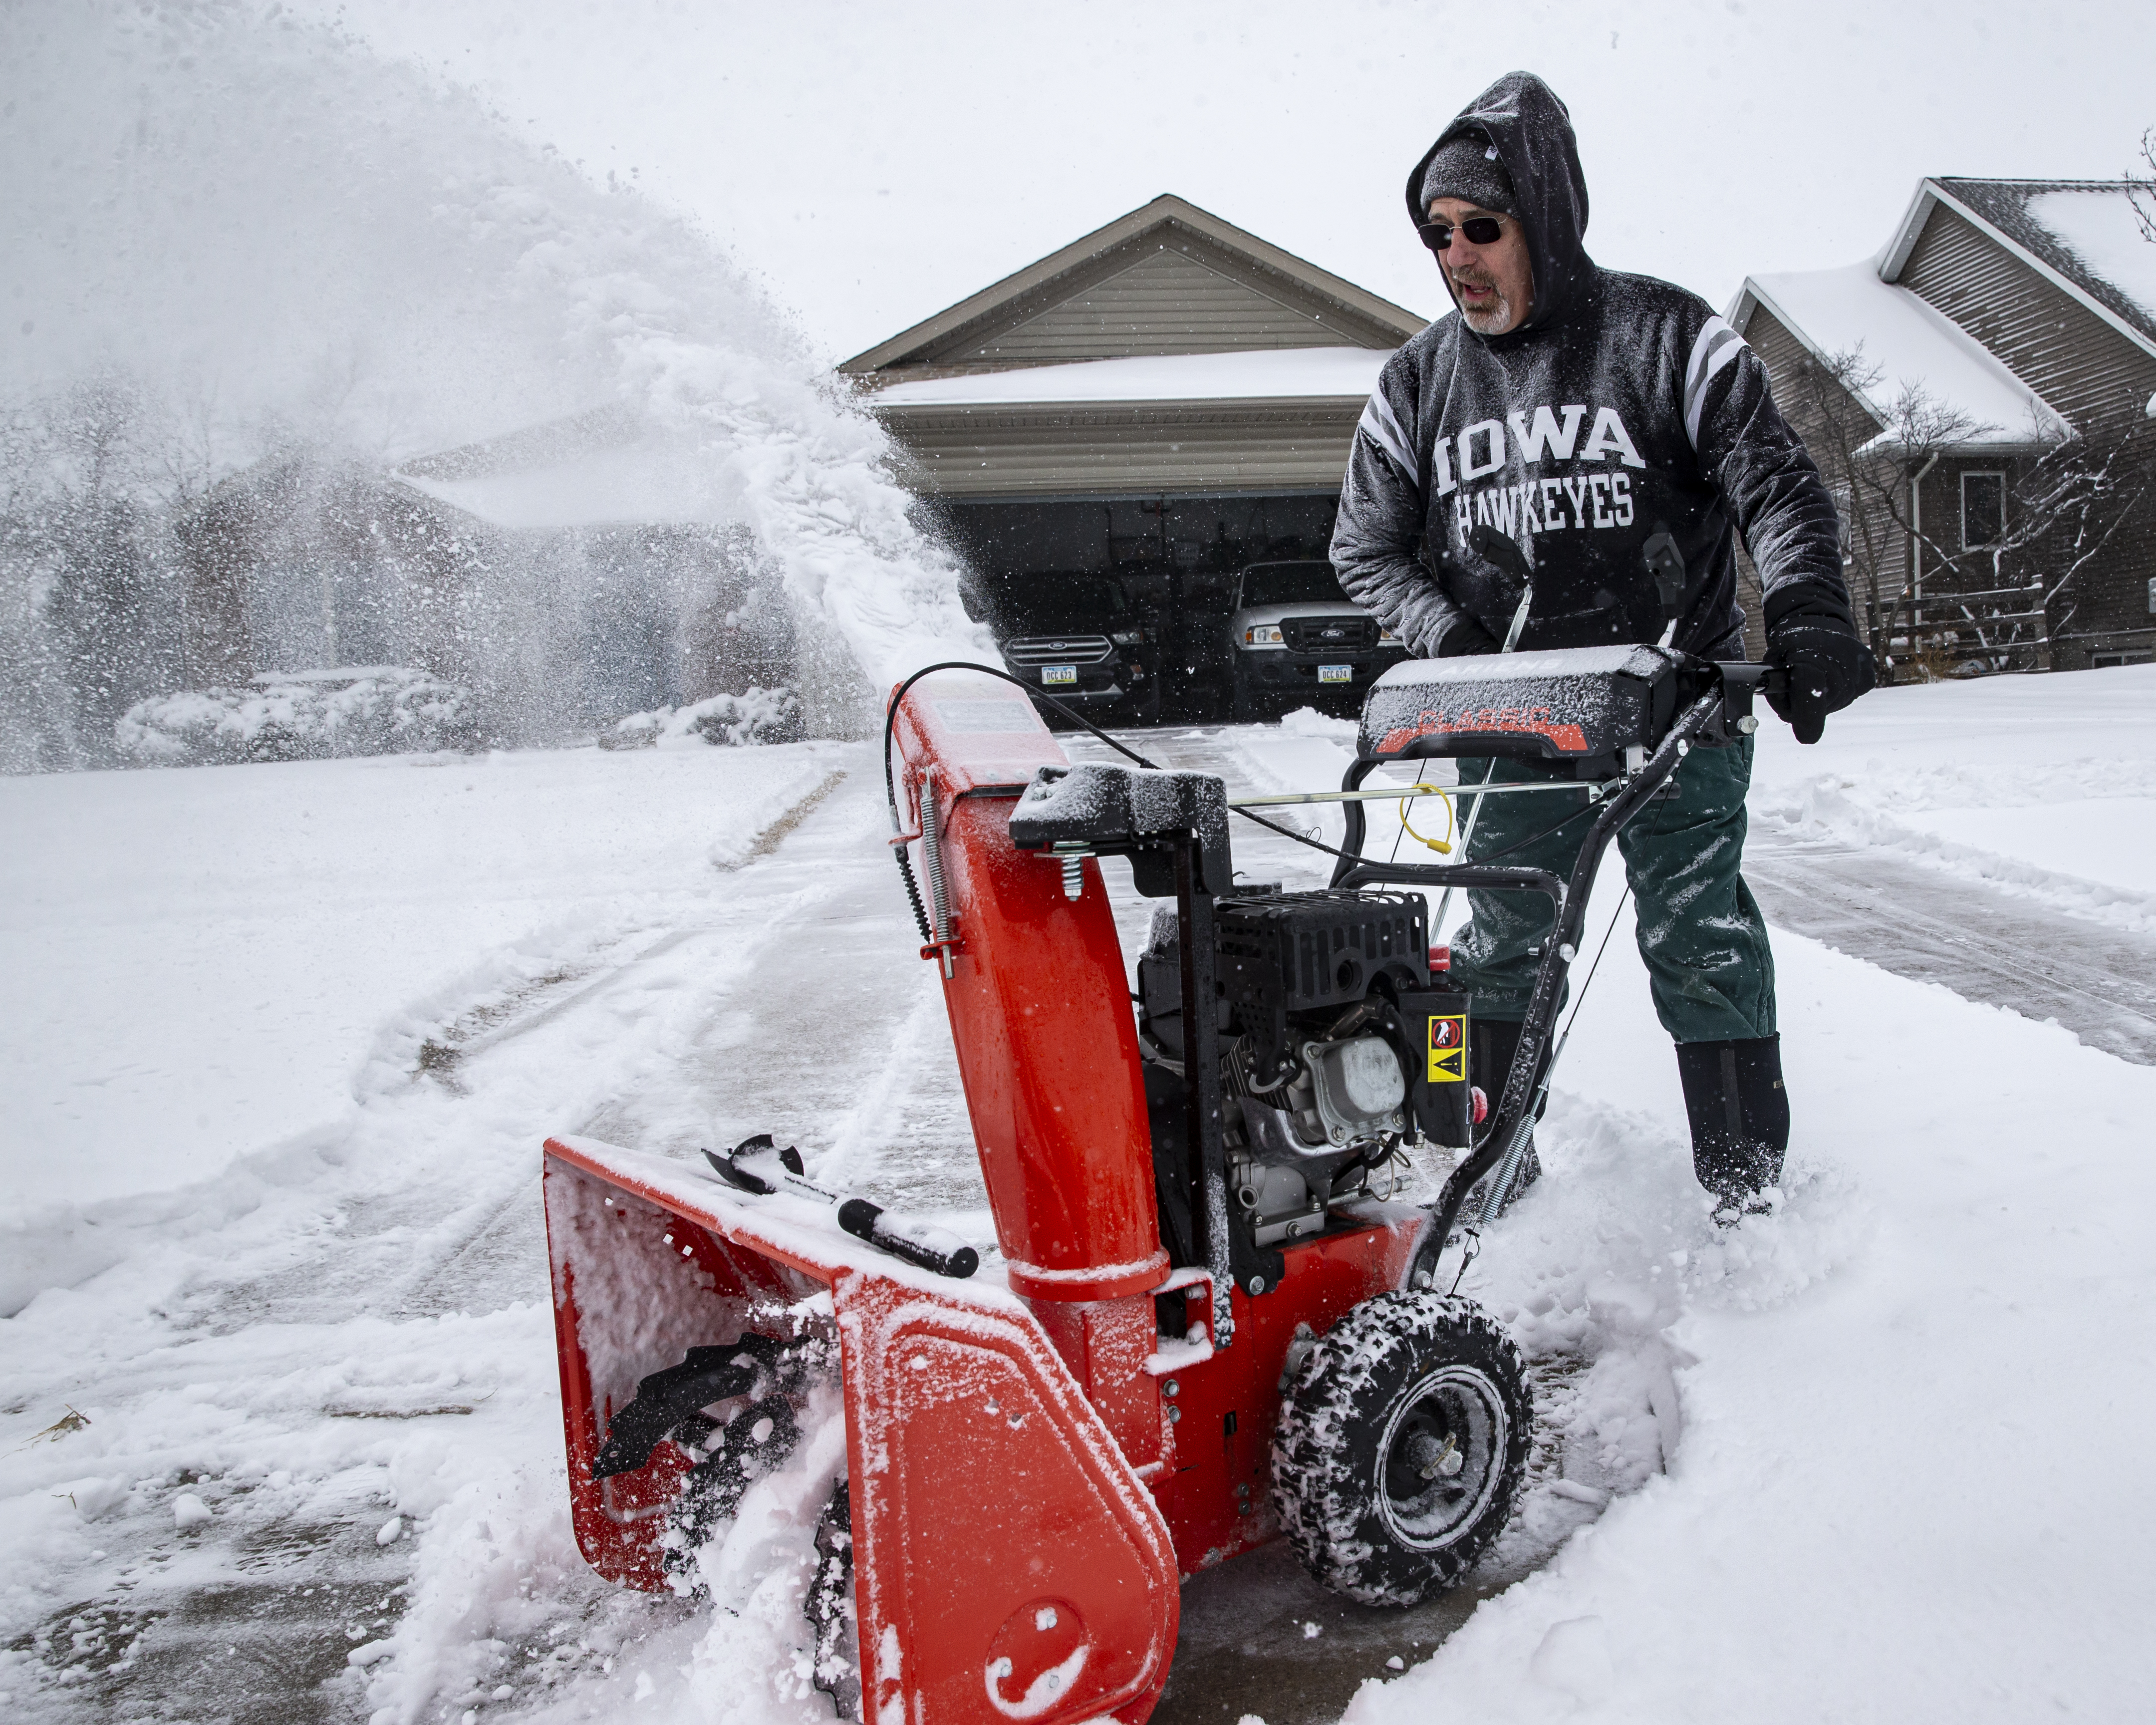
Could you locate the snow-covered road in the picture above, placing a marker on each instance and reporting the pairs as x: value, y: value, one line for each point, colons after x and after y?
x: 1897, y: 1419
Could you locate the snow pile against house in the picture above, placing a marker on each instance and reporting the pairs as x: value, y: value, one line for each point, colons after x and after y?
x: 261, y: 271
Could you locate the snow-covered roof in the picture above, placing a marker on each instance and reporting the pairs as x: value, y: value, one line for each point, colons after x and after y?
x: 649, y: 482
x: 2099, y: 226
x: 1833, y: 310
x: 2080, y: 234
x: 1348, y: 373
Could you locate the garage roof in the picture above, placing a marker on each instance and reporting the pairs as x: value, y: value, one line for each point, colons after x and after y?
x: 1168, y: 278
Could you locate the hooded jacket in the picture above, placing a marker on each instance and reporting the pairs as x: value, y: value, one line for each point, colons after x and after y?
x: 1621, y: 407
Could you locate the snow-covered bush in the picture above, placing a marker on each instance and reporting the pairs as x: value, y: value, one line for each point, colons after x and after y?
x: 301, y: 716
x: 727, y: 721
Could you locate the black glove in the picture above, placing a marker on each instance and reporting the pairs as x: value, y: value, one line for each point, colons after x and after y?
x: 1465, y: 636
x: 1811, y: 634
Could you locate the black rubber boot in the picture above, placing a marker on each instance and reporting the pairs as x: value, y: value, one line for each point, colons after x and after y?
x: 1492, y: 1043
x: 1740, y: 1117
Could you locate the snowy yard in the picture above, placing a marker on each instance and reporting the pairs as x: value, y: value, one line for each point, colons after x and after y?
x: 282, y: 1042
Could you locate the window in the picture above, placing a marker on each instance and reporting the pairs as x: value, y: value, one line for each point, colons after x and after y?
x: 1983, y: 509
x: 1290, y: 584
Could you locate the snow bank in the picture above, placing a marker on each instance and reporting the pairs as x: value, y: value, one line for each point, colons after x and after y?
x: 2041, y: 786
x: 305, y: 717
x: 760, y: 715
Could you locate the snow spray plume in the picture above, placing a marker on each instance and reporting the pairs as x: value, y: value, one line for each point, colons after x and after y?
x: 291, y: 323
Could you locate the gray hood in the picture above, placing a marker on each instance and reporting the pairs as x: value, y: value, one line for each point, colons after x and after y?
x: 1522, y: 116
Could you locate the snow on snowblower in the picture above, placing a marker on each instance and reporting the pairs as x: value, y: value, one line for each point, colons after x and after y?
x: 1208, y: 1328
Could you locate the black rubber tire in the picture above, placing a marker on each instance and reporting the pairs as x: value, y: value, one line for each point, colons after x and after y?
x: 1245, y: 707
x: 1401, y: 1372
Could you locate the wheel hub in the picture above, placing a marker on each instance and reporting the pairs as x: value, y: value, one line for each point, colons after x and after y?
x: 1441, y: 1456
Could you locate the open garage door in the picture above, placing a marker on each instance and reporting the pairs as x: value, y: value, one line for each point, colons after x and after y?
x: 1044, y: 570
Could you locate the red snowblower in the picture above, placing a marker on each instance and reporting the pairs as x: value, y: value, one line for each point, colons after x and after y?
x: 1210, y: 1326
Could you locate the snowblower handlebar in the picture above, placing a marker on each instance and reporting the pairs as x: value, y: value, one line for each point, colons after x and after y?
x: 1528, y: 1080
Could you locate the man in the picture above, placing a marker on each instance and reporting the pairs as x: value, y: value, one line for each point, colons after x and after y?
x: 1578, y: 412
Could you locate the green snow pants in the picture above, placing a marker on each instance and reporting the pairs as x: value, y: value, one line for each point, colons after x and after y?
x: 1700, y: 932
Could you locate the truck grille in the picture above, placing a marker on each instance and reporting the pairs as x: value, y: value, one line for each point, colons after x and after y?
x: 1058, y: 649
x: 1330, y: 634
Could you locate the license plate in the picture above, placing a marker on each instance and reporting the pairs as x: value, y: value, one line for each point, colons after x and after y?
x: 1055, y: 673
x: 1336, y: 674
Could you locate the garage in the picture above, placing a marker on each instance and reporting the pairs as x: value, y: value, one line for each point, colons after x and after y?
x: 1114, y: 435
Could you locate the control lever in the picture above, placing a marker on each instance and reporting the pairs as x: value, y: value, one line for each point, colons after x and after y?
x: 755, y: 1165
x: 1740, y: 681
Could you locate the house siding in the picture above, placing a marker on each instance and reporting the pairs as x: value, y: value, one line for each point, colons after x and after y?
x: 2055, y: 345
x: 1169, y: 291
x: 1166, y: 302
x: 1125, y: 449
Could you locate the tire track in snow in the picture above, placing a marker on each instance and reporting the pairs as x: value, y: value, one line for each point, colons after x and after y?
x: 2097, y: 979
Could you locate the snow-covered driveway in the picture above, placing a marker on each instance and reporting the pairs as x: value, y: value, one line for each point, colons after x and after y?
x: 342, y: 1332
x: 1876, y: 1456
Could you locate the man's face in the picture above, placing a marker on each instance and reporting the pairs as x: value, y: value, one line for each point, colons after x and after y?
x: 1495, y: 285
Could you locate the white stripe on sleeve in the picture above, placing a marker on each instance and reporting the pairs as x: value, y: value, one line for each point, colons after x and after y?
x: 1716, y: 346
x: 1384, y: 428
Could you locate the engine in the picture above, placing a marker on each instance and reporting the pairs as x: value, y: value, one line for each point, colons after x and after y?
x: 1335, y: 1048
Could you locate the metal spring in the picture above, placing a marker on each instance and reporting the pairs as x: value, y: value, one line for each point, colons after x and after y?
x: 932, y: 858
x: 1508, y: 1169
x: 1074, y: 877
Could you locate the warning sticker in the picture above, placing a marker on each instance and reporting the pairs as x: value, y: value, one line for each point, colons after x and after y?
x: 1448, y: 1049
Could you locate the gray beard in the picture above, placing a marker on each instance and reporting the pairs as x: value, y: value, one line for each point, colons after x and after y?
x: 1497, y: 321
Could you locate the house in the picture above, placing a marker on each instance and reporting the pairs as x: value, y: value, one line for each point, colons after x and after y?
x: 570, y: 573
x: 1982, y: 396
x: 1163, y: 400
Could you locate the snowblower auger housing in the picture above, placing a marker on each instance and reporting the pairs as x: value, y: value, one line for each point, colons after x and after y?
x: 967, y: 1440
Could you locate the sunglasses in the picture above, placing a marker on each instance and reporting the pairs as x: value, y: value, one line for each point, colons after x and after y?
x: 1480, y: 230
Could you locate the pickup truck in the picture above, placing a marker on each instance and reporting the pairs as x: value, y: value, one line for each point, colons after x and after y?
x: 1298, y: 641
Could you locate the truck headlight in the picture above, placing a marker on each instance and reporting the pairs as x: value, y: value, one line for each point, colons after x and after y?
x: 1265, y: 634
x: 1129, y: 637
x: 1386, y: 635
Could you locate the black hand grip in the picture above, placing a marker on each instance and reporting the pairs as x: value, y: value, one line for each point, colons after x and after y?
x: 921, y: 1243
x: 1492, y: 547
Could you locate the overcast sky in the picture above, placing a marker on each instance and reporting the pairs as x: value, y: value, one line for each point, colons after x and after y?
x: 874, y: 163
